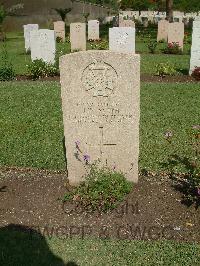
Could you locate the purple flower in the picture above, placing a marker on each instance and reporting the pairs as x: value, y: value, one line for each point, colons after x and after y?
x: 196, y: 127
x: 198, y: 191
x: 77, y: 142
x: 86, y: 158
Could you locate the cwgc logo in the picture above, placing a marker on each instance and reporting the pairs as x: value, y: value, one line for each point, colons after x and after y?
x: 99, y: 78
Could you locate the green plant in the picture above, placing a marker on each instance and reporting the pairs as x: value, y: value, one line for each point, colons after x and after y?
x: 196, y: 73
x: 164, y: 69
x: 6, y: 67
x: 152, y: 46
x: 172, y: 48
x: 99, y: 45
x: 40, y: 69
x: 102, y: 190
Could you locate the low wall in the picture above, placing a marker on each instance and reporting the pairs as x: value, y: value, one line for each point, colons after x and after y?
x: 42, y: 12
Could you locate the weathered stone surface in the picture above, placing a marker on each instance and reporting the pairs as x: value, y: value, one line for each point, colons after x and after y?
x: 93, y: 30
x: 162, y: 30
x: 43, y: 45
x: 59, y: 28
x: 78, y: 36
x: 195, y: 49
x: 101, y: 111
x: 27, y: 36
x: 122, y: 39
x: 176, y: 33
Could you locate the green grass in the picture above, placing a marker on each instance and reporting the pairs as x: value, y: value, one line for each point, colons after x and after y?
x: 20, y: 60
x: 31, y: 128
x: 19, y: 248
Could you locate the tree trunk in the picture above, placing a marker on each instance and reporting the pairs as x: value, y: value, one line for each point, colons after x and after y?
x: 169, y: 10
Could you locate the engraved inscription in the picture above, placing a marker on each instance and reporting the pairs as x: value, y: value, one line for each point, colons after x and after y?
x: 99, y: 78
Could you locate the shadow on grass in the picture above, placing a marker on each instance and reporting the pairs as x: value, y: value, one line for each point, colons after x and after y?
x: 186, y: 183
x: 183, y: 71
x: 21, y: 245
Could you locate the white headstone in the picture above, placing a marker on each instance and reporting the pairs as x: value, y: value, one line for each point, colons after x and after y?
x: 93, y: 30
x: 101, y: 111
x: 195, y: 50
x: 43, y: 45
x: 122, y: 39
x: 78, y: 36
x: 27, y: 30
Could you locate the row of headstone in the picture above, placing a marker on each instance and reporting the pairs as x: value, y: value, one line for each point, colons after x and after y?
x: 121, y: 39
x: 195, y: 49
x: 171, y: 32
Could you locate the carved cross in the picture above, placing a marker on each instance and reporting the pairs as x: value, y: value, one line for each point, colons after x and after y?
x: 102, y: 144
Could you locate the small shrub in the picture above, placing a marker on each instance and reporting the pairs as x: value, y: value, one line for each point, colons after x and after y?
x: 102, y: 190
x: 6, y: 68
x: 152, y: 46
x: 173, y: 48
x: 40, y: 69
x: 164, y: 69
x: 99, y: 45
x: 196, y: 73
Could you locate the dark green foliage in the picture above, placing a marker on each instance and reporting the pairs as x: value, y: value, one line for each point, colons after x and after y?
x: 6, y: 67
x: 102, y: 189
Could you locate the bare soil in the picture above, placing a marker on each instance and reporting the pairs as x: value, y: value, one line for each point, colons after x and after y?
x: 152, y: 211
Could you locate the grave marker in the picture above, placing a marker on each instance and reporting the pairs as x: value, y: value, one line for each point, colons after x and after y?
x: 59, y: 28
x: 101, y: 110
x: 43, y: 45
x: 195, y: 49
x: 27, y: 34
x: 176, y: 33
x: 93, y: 30
x: 78, y: 36
x: 122, y: 39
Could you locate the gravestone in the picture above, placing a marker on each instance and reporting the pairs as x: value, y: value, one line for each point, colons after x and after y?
x: 78, y: 36
x: 176, y: 33
x: 27, y: 34
x: 162, y: 30
x: 122, y: 39
x: 43, y: 45
x: 93, y: 30
x: 59, y: 28
x: 195, y: 49
x: 126, y: 22
x: 101, y: 110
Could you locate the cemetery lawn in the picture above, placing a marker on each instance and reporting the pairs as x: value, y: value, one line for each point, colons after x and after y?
x: 20, y: 60
x: 31, y: 128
